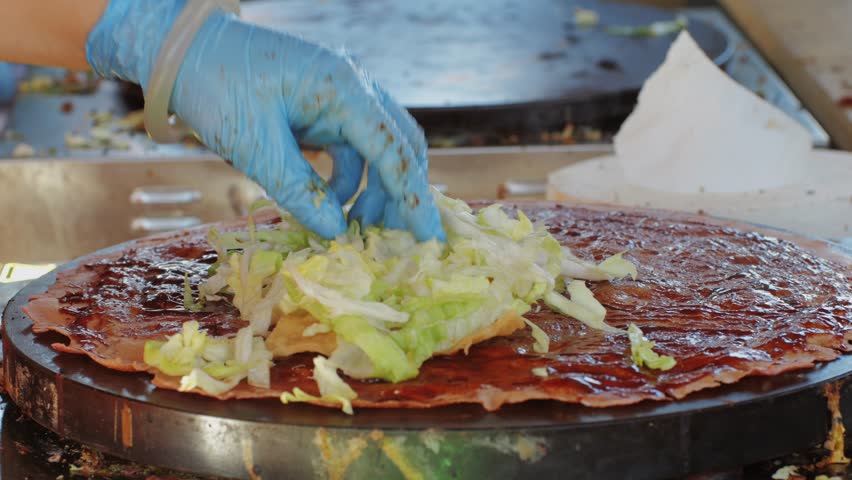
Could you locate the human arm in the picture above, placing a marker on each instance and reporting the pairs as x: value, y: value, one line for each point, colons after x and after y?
x: 254, y: 96
x: 48, y: 32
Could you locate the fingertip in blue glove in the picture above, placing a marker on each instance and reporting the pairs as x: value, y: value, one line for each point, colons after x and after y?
x: 254, y: 95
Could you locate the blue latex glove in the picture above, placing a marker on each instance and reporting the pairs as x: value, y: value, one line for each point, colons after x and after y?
x: 8, y: 83
x: 253, y: 95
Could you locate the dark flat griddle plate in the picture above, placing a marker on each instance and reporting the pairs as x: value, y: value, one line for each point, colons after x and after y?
x: 462, y: 54
x: 755, y: 419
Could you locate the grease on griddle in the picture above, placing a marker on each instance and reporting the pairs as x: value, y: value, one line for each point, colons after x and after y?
x: 150, y: 285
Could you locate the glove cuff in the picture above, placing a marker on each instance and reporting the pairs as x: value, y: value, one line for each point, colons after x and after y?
x: 125, y: 41
x: 169, y: 59
x: 144, y: 42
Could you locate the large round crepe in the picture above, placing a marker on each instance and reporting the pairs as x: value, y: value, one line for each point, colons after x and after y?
x: 726, y: 301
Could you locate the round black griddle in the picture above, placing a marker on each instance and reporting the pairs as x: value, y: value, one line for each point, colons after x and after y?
x: 122, y: 414
x: 472, y: 64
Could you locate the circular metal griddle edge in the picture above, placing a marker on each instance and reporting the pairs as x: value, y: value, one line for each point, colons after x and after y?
x: 122, y: 414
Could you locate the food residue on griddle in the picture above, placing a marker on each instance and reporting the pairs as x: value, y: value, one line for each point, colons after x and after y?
x: 609, y: 65
x: 23, y: 150
x: 72, y: 82
x: 585, y: 17
x: 836, y: 437
x: 553, y: 55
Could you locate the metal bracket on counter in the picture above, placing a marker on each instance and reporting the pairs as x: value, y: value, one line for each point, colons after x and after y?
x: 521, y: 188
x: 158, y: 195
x: 163, y: 208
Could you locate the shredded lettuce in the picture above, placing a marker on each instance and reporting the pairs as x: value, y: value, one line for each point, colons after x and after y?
x: 585, y: 17
x: 785, y: 472
x: 299, y: 395
x: 212, y: 364
x: 357, y: 363
x: 392, y: 302
x: 201, y: 380
x: 335, y: 304
x: 315, y: 329
x: 616, y: 267
x: 612, y: 268
x: 641, y: 349
x: 580, y: 307
x: 255, y: 285
x: 655, y: 29
x: 180, y: 353
x: 542, y: 341
x: 332, y: 388
x: 188, y: 302
x: 329, y: 382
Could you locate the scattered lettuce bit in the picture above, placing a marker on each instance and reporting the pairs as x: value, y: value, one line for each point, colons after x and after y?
x: 617, y: 267
x: 332, y: 388
x: 188, y: 302
x: 583, y: 306
x: 785, y: 472
x: 256, y: 206
x: 329, y: 382
x: 23, y: 150
x: 315, y: 329
x: 612, y: 268
x: 180, y: 353
x: 358, y: 364
x: 260, y: 204
x: 299, y: 395
x: 655, y: 29
x: 199, y: 379
x: 582, y: 296
x: 641, y: 349
x: 212, y: 364
x: 585, y: 17
x: 542, y: 341
x: 540, y: 372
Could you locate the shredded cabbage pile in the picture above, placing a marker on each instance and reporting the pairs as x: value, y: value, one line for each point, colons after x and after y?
x: 392, y: 302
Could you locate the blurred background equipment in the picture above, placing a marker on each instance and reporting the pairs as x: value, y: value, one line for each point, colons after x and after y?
x: 473, y: 73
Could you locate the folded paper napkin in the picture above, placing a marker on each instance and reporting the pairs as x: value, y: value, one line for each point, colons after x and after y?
x: 697, y: 130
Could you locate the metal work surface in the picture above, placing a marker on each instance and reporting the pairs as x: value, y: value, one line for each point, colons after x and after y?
x: 41, y: 120
x: 443, y: 54
x: 514, y: 65
x: 123, y: 414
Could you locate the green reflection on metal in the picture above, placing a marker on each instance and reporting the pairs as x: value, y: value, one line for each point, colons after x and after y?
x: 430, y: 455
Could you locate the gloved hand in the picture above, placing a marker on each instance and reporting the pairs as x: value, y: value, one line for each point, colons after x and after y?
x: 254, y: 94
x: 8, y: 83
